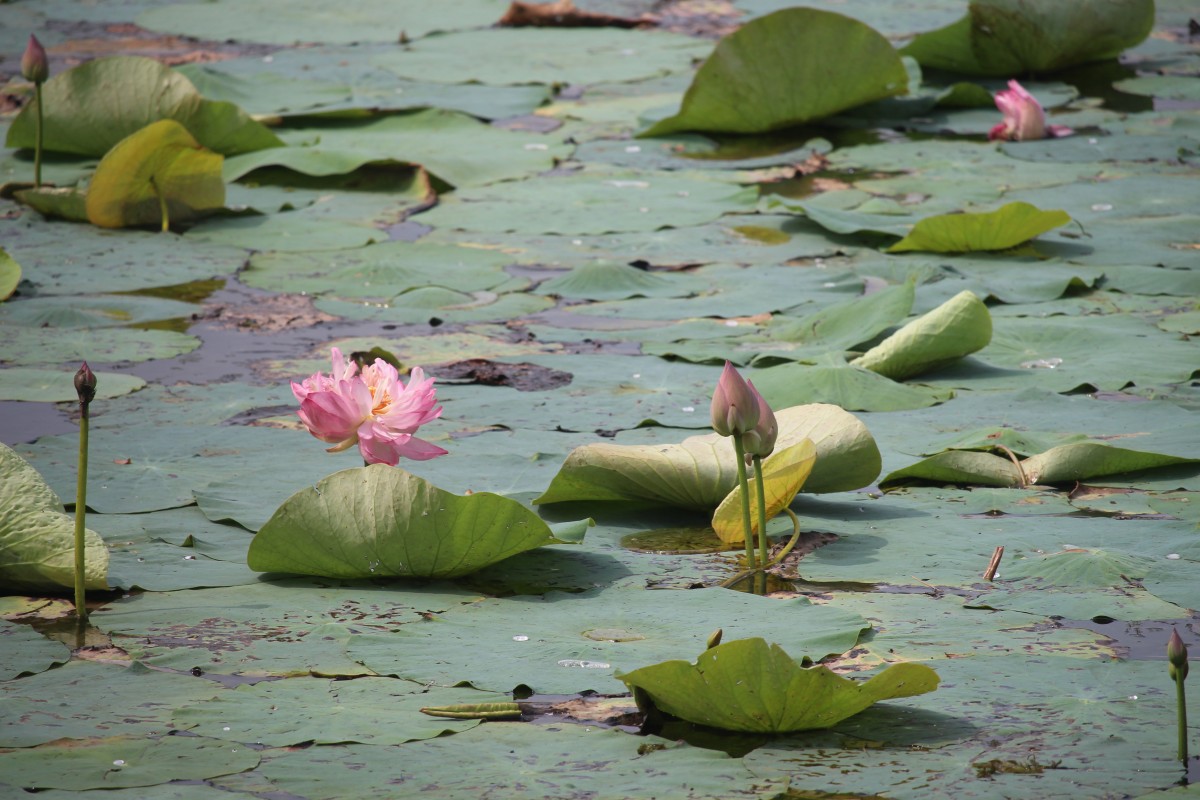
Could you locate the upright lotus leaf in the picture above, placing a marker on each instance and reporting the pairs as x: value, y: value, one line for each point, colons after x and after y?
x: 784, y: 472
x: 700, y: 472
x: 1002, y: 38
x: 10, y: 275
x: 958, y: 327
x: 380, y: 521
x: 750, y: 686
x: 158, y: 175
x: 787, y: 68
x: 91, y: 107
x: 1007, y: 226
x: 37, y: 540
x: 1063, y: 464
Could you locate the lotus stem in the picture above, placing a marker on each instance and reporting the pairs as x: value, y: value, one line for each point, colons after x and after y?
x: 1181, y: 705
x: 784, y: 553
x: 743, y: 484
x: 162, y: 205
x: 761, y: 495
x: 37, y: 137
x: 80, y: 517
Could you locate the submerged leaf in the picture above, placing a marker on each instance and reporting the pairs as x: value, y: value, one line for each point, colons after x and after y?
x: 162, y: 166
x: 787, y: 68
x: 381, y: 521
x: 700, y: 471
x: 1007, y: 226
x: 784, y: 472
x: 750, y: 686
x: 37, y: 540
x: 958, y: 327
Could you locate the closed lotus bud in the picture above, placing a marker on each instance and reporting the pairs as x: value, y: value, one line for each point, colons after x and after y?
x: 34, y: 66
x: 1177, y: 656
x: 761, y: 441
x: 85, y: 384
x: 734, y: 407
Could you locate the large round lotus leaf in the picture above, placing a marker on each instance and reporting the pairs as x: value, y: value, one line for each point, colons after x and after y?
x: 95, y: 311
x: 92, y: 699
x: 1011, y: 37
x: 784, y: 472
x: 701, y: 471
x: 24, y: 652
x: 514, y: 761
x: 1007, y: 226
x: 121, y: 762
x: 10, y: 275
x: 564, y: 56
x: 436, y: 302
x: 605, y: 280
x: 160, y: 174
x: 457, y: 148
x: 314, y: 21
x: 291, y: 712
x: 599, y: 202
x: 57, y: 386
x: 37, y: 540
x: 957, y: 328
x: 382, y: 521
x: 89, y: 108
x: 293, y: 231
x: 289, y: 628
x: 38, y: 346
x: 788, y: 68
x: 566, y: 643
x: 749, y: 686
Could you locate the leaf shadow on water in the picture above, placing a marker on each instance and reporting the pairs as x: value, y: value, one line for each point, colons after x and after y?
x: 553, y: 568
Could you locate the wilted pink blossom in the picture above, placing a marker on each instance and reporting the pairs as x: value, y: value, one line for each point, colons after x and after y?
x: 734, y: 405
x: 1024, y: 118
x: 372, y: 408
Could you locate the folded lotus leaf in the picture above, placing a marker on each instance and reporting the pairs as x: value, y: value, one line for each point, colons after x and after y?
x: 958, y: 327
x: 699, y: 472
x: 750, y: 686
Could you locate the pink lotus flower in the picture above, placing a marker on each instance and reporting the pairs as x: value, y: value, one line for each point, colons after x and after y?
x: 373, y: 409
x: 1023, y: 117
x: 760, y: 441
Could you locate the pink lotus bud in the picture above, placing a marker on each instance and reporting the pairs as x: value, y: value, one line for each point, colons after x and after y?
x: 1024, y: 118
x: 85, y: 384
x: 734, y: 406
x: 761, y: 440
x: 34, y: 66
x: 1177, y: 656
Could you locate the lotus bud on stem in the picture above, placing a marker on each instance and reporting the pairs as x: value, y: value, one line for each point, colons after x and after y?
x: 36, y: 68
x: 760, y: 443
x: 85, y: 388
x: 1177, y: 667
x: 735, y: 413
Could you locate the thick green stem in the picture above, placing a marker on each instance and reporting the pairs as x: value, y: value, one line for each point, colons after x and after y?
x: 761, y: 494
x: 740, y: 453
x: 1181, y: 704
x: 37, y: 138
x: 80, y: 517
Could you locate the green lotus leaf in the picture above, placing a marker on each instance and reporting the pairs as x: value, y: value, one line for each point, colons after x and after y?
x: 787, y: 68
x: 37, y: 540
x: 160, y: 174
x: 1002, y: 38
x: 750, y: 686
x: 10, y: 275
x: 91, y: 107
x: 380, y: 521
x: 1007, y: 226
x: 64, y: 202
x: 699, y: 472
x: 958, y: 327
x: 1063, y: 464
x: 784, y: 472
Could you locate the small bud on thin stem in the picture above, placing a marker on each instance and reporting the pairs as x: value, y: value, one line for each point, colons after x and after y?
x: 1177, y: 660
x: 85, y: 387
